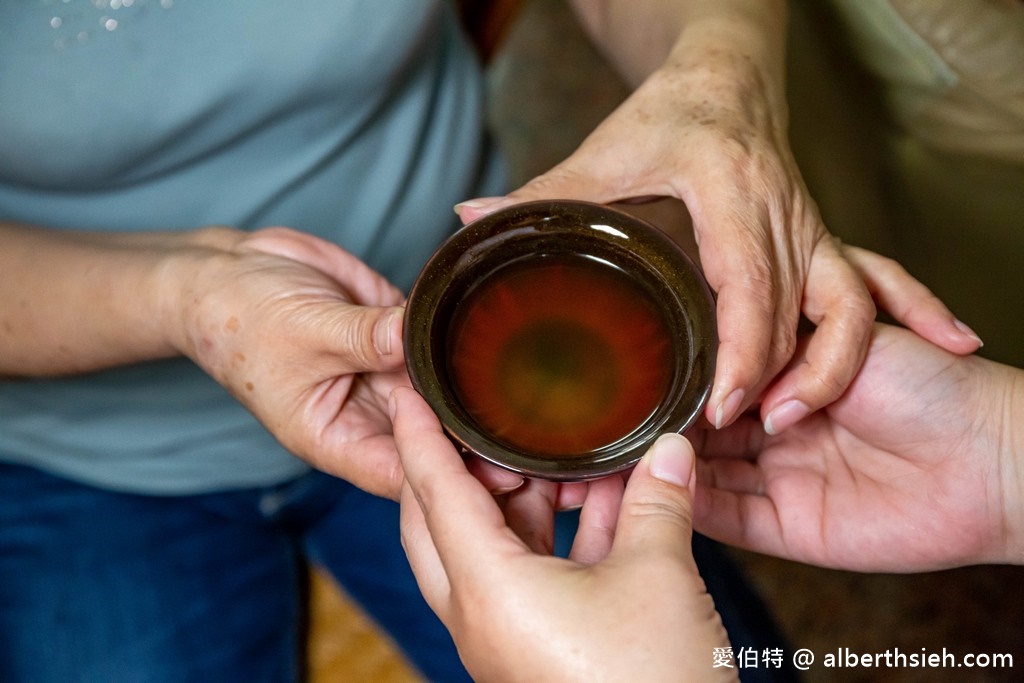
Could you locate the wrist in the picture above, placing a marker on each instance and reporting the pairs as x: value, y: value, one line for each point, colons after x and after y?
x: 734, y: 43
x: 1010, y: 415
x: 996, y: 402
x: 179, y: 282
x: 640, y: 37
x: 733, y: 73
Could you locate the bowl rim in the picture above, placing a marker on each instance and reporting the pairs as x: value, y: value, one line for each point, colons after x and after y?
x: 586, y: 223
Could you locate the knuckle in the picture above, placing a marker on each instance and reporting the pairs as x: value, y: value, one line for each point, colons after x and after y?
x: 857, y: 310
x: 354, y: 335
x: 784, y: 344
x: 890, y: 268
x: 663, y: 510
x: 860, y: 311
x: 832, y: 375
x: 833, y: 378
x: 552, y: 183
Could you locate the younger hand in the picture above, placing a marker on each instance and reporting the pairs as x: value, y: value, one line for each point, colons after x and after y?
x: 915, y: 468
x: 628, y: 604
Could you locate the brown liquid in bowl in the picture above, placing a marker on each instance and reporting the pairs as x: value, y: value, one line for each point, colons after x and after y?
x: 559, y: 354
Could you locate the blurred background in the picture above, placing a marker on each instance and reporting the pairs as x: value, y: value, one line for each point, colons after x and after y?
x: 548, y: 88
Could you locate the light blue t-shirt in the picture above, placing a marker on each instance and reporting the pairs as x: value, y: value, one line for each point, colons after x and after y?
x: 357, y: 120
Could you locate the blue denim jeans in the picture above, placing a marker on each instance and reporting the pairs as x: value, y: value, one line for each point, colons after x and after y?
x: 99, y: 586
x: 104, y: 586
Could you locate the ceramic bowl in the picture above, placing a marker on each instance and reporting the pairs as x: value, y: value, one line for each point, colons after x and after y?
x: 558, y: 339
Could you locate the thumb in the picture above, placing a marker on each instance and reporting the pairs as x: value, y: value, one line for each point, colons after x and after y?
x: 657, y: 507
x: 561, y: 182
x: 369, y: 338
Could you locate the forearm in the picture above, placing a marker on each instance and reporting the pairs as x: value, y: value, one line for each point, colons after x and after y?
x: 723, y: 37
x: 74, y: 302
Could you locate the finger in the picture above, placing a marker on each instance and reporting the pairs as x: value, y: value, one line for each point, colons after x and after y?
x: 498, y: 480
x: 740, y: 267
x: 357, y: 446
x: 739, y: 519
x: 423, y: 558
x: 371, y: 461
x: 455, y: 505
x: 838, y: 303
x: 571, y: 495
x: 365, y: 338
x: 746, y: 320
x: 578, y: 177
x: 657, y: 506
x: 909, y: 302
x: 598, y: 518
x: 471, y: 209
x: 365, y: 285
x: 530, y: 513
x: 743, y: 439
x: 541, y: 187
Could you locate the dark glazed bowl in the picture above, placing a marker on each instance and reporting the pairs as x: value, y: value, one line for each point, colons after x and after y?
x: 543, y: 232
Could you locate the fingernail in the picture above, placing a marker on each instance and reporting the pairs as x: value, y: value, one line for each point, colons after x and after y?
x: 480, y: 203
x: 960, y: 325
x: 509, y: 488
x: 785, y: 416
x: 382, y: 335
x: 727, y: 409
x: 671, y: 460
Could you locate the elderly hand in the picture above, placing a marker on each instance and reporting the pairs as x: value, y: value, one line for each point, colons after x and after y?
x: 628, y: 604
x: 306, y: 336
x: 708, y: 127
x: 917, y: 467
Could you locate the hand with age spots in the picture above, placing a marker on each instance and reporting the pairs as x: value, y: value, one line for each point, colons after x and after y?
x: 308, y: 338
x: 708, y: 126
